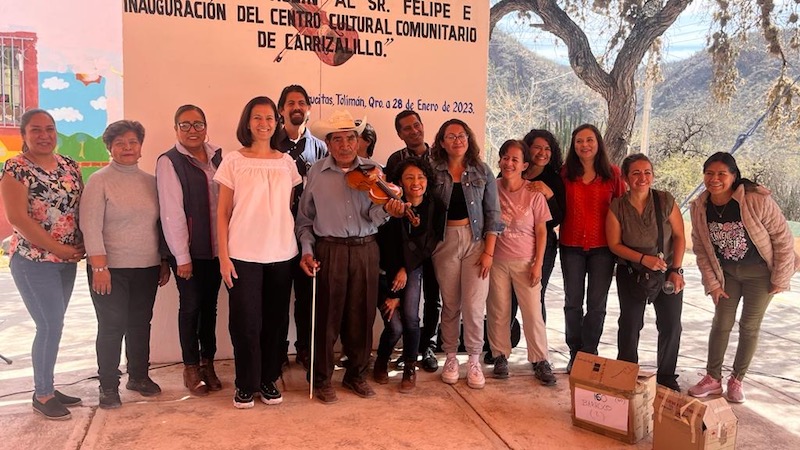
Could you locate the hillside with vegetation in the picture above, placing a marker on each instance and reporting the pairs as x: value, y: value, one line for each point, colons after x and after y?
x: 686, y: 124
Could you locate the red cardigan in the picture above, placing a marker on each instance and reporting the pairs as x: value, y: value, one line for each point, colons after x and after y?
x: 584, y: 223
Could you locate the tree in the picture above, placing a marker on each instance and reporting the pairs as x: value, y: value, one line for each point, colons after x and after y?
x: 634, y: 27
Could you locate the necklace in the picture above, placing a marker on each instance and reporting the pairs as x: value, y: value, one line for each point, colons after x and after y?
x: 720, y: 213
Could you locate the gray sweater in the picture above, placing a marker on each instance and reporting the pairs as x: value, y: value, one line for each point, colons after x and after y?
x: 119, y: 217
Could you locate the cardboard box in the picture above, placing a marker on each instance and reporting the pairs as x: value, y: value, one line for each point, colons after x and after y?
x: 612, y: 397
x: 687, y: 423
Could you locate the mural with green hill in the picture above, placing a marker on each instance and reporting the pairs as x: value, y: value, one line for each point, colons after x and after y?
x: 88, y: 151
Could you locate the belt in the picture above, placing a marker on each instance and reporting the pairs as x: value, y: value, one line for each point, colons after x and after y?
x: 349, y: 241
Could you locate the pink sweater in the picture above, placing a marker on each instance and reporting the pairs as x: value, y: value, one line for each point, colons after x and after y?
x: 767, y: 228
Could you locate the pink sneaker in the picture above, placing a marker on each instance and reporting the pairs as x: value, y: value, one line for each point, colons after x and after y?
x: 705, y: 387
x: 734, y: 394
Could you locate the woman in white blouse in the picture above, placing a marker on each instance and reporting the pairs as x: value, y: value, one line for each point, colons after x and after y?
x: 256, y: 243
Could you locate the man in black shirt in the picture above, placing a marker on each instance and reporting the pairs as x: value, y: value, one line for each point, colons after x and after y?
x: 294, y: 138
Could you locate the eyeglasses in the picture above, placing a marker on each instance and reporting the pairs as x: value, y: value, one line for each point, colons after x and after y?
x: 186, y: 126
x: 453, y: 137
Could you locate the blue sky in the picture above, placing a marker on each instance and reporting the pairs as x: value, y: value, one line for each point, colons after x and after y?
x: 77, y: 107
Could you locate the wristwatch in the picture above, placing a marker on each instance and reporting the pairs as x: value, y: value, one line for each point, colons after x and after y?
x: 678, y: 270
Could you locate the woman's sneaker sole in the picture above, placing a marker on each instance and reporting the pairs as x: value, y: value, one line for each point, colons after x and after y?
x: 450, y: 380
x: 243, y: 405
x: 707, y: 393
x: 272, y: 401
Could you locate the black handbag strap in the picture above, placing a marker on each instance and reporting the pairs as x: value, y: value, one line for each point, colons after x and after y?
x: 659, y: 221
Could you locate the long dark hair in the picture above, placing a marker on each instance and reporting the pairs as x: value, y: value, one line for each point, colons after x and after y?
x: 473, y: 155
x: 602, y: 166
x: 26, y: 119
x: 729, y: 161
x: 556, y: 157
x: 243, y: 133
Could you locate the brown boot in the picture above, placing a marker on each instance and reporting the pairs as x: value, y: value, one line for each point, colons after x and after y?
x: 193, y: 381
x: 409, y: 378
x: 380, y: 371
x: 209, y: 375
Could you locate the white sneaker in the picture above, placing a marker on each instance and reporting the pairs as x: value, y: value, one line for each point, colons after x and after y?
x: 475, y: 378
x: 450, y: 371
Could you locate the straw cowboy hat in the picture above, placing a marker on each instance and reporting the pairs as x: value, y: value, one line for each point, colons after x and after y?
x: 339, y: 120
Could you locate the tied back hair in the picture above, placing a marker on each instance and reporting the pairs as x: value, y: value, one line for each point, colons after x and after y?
x: 26, y: 119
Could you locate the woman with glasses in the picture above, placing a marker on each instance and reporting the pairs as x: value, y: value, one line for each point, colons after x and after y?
x: 41, y: 190
x: 256, y: 245
x: 188, y: 199
x: 462, y: 261
x: 590, y: 182
x: 127, y: 264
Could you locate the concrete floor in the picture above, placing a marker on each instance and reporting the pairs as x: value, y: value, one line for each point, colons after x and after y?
x: 515, y: 413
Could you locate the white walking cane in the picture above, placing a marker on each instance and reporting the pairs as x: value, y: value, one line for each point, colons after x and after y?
x: 313, y: 324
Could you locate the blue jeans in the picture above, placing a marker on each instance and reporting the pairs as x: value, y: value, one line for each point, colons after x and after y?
x: 405, y: 320
x: 45, y: 288
x: 584, y: 331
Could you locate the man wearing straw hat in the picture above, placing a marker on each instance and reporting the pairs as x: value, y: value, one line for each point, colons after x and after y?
x: 336, y: 227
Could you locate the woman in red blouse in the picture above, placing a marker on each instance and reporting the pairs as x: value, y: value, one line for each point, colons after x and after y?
x: 591, y: 181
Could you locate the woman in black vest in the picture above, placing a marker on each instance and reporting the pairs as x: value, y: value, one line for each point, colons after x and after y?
x: 188, y: 201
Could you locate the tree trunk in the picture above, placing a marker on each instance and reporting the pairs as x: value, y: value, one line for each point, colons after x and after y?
x: 616, y: 86
x: 621, y: 116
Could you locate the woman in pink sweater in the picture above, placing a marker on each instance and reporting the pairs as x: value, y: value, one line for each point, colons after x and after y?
x: 745, y: 253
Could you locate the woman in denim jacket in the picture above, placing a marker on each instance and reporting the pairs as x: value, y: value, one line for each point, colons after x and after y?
x: 467, y: 186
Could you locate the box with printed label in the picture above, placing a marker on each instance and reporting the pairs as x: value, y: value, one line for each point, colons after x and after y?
x: 611, y: 397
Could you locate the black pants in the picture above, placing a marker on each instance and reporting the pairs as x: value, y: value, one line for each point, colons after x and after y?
x: 347, y: 293
x: 125, y: 312
x: 197, y: 315
x: 259, y: 306
x: 302, y: 308
x: 583, y: 331
x: 549, y: 262
x: 631, y: 321
x: 431, y: 309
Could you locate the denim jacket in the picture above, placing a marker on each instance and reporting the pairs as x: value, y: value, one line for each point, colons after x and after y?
x: 480, y: 192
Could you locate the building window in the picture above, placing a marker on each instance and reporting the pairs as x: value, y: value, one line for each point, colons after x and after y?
x: 13, y: 101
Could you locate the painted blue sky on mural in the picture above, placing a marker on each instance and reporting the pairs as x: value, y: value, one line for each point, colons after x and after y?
x: 76, y: 106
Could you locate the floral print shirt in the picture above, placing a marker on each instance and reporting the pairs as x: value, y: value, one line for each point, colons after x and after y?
x: 52, y: 201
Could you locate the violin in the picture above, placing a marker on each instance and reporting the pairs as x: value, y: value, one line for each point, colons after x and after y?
x: 373, y: 181
x: 335, y: 58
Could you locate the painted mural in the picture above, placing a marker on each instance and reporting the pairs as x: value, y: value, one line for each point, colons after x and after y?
x: 67, y: 61
x: 78, y: 103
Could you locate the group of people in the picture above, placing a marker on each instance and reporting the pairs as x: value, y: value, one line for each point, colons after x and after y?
x: 297, y: 203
